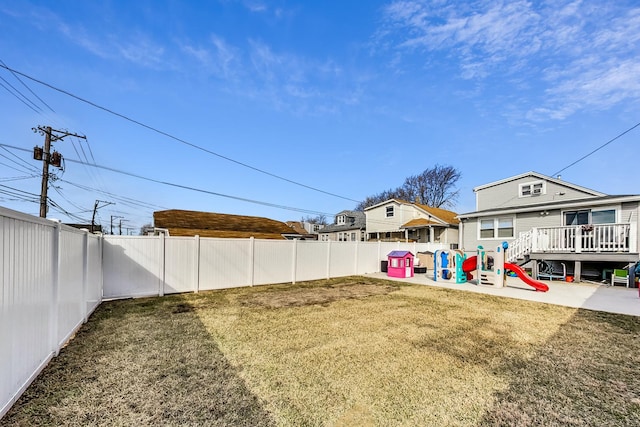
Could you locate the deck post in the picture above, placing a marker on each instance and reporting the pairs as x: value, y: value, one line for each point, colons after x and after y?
x: 577, y: 271
x: 578, y: 239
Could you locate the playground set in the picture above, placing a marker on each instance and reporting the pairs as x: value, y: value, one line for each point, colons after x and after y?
x: 454, y: 266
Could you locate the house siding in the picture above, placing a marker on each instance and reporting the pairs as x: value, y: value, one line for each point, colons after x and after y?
x: 507, y: 194
x: 378, y: 222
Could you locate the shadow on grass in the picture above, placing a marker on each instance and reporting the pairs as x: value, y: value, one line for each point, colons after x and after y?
x: 140, y: 362
x: 584, y: 375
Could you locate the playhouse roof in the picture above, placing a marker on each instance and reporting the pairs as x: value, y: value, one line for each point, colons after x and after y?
x: 399, y: 254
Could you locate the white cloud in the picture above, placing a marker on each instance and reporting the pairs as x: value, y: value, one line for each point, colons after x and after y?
x: 574, y: 55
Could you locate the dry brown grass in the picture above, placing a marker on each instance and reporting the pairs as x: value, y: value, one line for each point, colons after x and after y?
x: 344, y: 352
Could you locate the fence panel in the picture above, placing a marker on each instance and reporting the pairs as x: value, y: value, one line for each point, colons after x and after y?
x: 367, y: 260
x: 94, y: 273
x: 71, y: 303
x: 273, y: 261
x: 180, y: 264
x: 28, y: 254
x: 132, y: 266
x: 311, y: 260
x: 343, y: 261
x: 225, y: 263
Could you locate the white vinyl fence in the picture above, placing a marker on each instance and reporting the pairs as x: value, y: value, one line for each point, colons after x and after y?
x: 52, y: 277
x: 50, y: 282
x: 148, y: 266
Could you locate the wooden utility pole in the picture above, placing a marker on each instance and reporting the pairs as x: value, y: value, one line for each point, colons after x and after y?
x: 45, y: 172
x: 95, y: 209
x: 48, y: 158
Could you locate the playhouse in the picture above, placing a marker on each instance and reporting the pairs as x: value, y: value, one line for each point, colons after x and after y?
x: 400, y: 264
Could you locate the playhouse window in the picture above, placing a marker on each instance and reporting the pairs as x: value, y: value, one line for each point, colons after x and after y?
x: 394, y: 262
x: 389, y: 211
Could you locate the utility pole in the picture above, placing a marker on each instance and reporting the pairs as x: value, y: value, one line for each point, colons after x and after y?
x: 112, y: 217
x: 48, y: 158
x: 95, y: 208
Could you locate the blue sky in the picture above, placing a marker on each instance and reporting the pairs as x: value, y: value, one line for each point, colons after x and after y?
x: 348, y: 98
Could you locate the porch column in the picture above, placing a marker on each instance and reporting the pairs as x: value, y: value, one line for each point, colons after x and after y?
x: 460, y: 234
x: 406, y: 235
x: 577, y: 271
x: 432, y: 235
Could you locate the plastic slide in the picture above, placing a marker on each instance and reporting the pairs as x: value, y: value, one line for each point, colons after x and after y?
x: 539, y: 286
x: 469, y: 264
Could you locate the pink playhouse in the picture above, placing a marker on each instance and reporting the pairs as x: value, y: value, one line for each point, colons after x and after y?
x: 400, y: 264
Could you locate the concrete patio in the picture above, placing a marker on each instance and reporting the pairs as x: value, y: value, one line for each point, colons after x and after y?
x: 612, y: 299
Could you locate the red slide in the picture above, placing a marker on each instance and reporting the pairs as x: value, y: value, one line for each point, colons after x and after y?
x: 469, y: 264
x: 539, y: 286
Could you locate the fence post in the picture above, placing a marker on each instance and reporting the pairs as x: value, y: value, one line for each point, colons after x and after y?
x: 85, y: 274
x: 197, y: 263
x: 161, y: 275
x: 328, y: 259
x: 252, y: 260
x: 55, y: 295
x: 378, y: 265
x: 294, y: 257
x: 355, y: 266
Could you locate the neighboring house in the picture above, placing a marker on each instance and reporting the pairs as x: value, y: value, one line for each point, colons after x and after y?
x: 545, y: 218
x: 306, y: 230
x: 348, y: 226
x: 398, y: 220
x: 209, y: 224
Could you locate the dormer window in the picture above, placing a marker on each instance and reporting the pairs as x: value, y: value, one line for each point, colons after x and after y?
x: 531, y: 189
x: 341, y: 219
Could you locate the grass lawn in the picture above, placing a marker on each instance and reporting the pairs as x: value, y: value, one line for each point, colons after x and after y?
x: 341, y: 352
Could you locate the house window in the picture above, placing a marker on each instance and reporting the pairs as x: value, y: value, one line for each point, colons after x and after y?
x: 341, y: 220
x: 486, y: 229
x: 586, y: 216
x: 353, y: 237
x: 496, y: 228
x: 532, y: 189
x: 389, y: 211
x: 603, y: 217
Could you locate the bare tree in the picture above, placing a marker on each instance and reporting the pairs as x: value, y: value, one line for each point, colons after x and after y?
x: 319, y: 219
x: 435, y: 187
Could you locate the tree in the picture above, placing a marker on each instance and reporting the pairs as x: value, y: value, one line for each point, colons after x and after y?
x: 435, y: 187
x: 320, y: 219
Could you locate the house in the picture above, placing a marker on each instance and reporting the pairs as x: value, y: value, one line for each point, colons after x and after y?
x: 306, y: 230
x: 551, y: 220
x: 398, y: 220
x: 348, y: 226
x: 210, y: 224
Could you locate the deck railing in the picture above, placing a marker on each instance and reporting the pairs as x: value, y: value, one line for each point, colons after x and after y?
x: 585, y: 238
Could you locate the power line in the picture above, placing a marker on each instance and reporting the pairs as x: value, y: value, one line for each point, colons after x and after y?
x: 186, y: 187
x: 597, y: 149
x: 18, y: 98
x: 28, y: 88
x: 170, y: 136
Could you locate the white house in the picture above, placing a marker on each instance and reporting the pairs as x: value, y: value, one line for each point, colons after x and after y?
x: 398, y: 220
